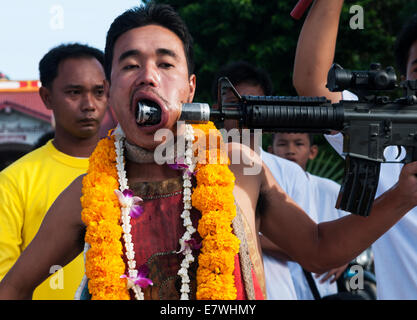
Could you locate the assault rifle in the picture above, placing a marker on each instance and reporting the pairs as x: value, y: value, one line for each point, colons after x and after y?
x: 368, y: 125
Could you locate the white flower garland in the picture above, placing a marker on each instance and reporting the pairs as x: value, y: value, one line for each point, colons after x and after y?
x: 186, y: 249
x: 125, y: 211
x: 126, y: 205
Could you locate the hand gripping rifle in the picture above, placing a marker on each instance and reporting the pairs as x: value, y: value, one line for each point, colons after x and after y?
x: 368, y: 125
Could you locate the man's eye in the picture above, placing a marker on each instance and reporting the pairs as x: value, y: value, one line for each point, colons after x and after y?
x: 73, y: 92
x: 166, y: 65
x: 130, y: 67
x: 100, y: 93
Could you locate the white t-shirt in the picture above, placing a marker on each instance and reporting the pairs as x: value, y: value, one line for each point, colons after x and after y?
x: 395, y: 252
x: 323, y: 195
x: 317, y: 196
x: 292, y: 179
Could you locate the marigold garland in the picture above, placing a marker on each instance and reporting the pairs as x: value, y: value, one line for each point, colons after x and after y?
x: 101, y: 215
x: 213, y: 197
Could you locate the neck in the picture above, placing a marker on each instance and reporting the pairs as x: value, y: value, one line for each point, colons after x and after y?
x: 138, y: 154
x: 73, y: 146
x: 140, y: 172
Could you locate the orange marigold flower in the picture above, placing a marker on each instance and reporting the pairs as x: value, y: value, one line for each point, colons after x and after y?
x: 212, y: 174
x: 212, y: 197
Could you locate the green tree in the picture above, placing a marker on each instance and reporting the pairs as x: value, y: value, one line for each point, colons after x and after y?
x: 262, y: 32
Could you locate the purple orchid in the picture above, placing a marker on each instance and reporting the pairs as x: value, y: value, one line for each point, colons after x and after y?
x: 141, y: 280
x: 192, y: 244
x: 128, y: 200
x: 178, y: 165
x: 135, y: 211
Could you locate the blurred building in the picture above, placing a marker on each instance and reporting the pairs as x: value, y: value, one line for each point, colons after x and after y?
x: 24, y: 119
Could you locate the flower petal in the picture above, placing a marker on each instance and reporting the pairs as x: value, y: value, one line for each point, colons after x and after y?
x: 192, y: 243
x: 136, y: 200
x: 119, y: 194
x: 144, y: 282
x: 128, y: 193
x: 143, y: 271
x: 177, y: 166
x: 136, y: 211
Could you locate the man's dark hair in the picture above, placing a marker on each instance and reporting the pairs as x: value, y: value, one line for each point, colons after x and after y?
x: 405, y: 39
x: 48, y: 66
x: 243, y: 72
x: 150, y: 14
x: 311, y: 139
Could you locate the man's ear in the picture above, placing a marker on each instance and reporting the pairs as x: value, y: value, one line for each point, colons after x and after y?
x: 192, y: 83
x: 45, y: 95
x: 270, y: 149
x: 314, y: 150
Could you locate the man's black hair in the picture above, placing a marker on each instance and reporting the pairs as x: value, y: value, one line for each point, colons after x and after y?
x: 150, y: 14
x: 243, y: 72
x: 311, y: 139
x: 405, y: 39
x: 48, y: 66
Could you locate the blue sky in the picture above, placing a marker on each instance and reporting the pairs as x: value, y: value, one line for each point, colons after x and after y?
x: 29, y: 28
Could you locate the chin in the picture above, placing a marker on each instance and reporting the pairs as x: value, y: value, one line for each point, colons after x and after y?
x: 142, y: 140
x: 87, y: 133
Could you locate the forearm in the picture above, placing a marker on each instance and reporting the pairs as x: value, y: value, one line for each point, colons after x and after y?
x: 6, y: 265
x: 9, y: 292
x: 315, y: 49
x: 22, y: 278
x: 33, y: 267
x: 49, y: 247
x: 320, y: 247
x: 342, y: 240
x: 272, y: 249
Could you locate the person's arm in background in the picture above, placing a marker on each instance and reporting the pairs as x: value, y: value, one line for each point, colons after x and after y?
x: 315, y: 49
x: 313, y: 59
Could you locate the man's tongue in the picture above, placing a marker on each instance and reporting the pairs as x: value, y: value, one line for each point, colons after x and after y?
x: 148, y: 113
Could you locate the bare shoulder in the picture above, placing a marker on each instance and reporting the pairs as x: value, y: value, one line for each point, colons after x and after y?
x: 247, y: 168
x: 245, y: 163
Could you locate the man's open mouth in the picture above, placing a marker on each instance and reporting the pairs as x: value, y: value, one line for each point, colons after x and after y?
x: 148, y: 113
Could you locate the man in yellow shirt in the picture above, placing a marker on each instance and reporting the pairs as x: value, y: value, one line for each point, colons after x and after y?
x: 73, y: 87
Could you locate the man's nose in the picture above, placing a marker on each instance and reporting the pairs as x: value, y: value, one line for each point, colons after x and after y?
x: 148, y: 76
x: 290, y: 149
x: 88, y: 102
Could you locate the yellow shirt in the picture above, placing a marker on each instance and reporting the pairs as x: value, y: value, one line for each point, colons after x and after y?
x: 28, y: 187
